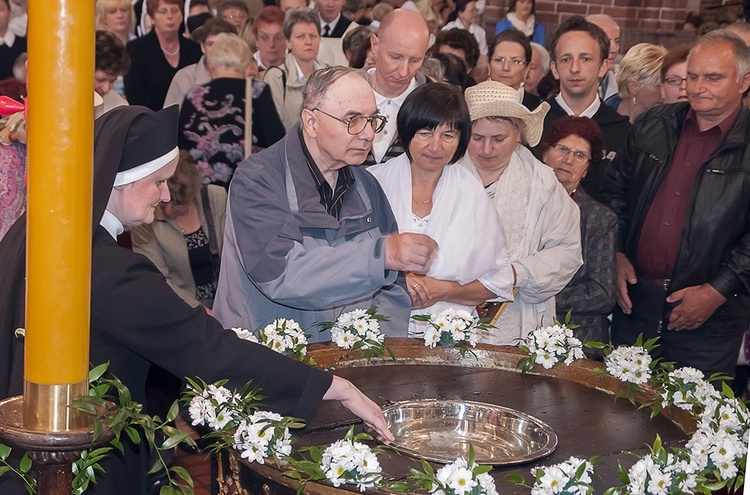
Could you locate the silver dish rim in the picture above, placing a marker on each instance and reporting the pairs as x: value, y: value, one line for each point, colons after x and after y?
x: 544, y: 451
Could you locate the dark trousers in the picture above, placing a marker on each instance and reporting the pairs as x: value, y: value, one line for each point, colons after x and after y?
x: 712, y: 347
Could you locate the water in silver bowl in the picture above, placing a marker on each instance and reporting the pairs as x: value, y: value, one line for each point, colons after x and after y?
x: 441, y: 431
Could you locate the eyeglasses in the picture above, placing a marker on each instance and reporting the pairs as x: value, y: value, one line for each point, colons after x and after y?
x: 578, y: 156
x: 355, y: 125
x: 515, y: 61
x: 278, y: 38
x: 675, y: 80
x: 229, y: 17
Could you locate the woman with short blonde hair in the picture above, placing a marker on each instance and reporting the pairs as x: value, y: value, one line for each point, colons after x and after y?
x: 117, y: 17
x: 639, y: 79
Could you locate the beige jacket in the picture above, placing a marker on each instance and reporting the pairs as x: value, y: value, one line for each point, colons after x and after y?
x: 162, y: 242
x: 287, y: 97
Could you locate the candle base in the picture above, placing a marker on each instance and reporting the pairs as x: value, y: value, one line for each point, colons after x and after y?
x: 52, y: 452
x: 45, y: 407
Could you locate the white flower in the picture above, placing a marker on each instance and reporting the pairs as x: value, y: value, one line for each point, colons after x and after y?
x: 659, y: 483
x: 462, y: 481
x: 546, y: 359
x: 219, y: 394
x: 563, y: 478
x: 629, y: 364
x: 553, y: 344
x: 487, y: 484
x: 201, y: 410
x: 553, y: 480
x: 431, y: 336
x: 245, y: 334
x: 222, y: 418
x: 345, y: 461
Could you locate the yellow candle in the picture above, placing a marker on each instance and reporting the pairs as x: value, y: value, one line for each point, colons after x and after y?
x: 60, y: 157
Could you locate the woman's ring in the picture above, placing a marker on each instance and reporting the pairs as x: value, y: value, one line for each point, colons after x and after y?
x: 414, y: 286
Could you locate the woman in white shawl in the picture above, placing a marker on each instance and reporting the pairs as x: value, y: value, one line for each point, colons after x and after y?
x: 430, y: 194
x: 541, y: 222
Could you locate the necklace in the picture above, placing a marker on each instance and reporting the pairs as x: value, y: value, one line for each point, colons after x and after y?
x: 186, y: 215
x: 417, y: 205
x: 171, y: 54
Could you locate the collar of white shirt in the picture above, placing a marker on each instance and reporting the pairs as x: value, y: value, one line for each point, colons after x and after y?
x: 300, y: 75
x: 589, y: 112
x: 9, y: 38
x: 112, y: 224
x: 388, y: 107
x: 331, y: 24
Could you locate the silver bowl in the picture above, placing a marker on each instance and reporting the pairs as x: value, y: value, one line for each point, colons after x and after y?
x: 442, y: 430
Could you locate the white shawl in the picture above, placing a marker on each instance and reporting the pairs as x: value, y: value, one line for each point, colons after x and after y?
x: 527, y: 27
x: 463, y: 222
x: 542, y: 226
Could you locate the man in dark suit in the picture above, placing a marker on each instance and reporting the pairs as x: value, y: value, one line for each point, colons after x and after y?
x: 332, y: 23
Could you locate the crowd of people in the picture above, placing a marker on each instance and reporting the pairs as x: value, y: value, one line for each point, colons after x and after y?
x: 301, y: 161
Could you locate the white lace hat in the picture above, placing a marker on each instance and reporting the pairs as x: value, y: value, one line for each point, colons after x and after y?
x: 495, y: 99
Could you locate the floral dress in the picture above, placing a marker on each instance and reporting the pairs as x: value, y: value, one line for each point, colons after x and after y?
x: 212, y: 126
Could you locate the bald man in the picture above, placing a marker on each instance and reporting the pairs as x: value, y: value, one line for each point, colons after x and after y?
x: 399, y: 49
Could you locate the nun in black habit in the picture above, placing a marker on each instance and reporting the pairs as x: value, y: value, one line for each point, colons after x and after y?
x: 136, y: 318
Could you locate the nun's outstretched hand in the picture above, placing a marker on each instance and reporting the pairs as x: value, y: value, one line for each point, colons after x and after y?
x: 355, y: 401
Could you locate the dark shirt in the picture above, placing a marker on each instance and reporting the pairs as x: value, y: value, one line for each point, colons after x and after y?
x: 9, y: 54
x: 662, y: 227
x: 331, y: 199
x: 150, y: 74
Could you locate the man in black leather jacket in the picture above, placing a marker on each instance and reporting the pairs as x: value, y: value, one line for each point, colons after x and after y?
x: 681, y: 189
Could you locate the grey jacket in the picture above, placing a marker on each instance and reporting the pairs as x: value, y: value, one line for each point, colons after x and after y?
x: 285, y: 256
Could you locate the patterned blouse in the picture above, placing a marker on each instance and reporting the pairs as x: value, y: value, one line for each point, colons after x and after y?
x: 212, y: 126
x: 199, y: 254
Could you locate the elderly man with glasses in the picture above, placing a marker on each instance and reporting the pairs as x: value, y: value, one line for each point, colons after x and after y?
x: 309, y: 235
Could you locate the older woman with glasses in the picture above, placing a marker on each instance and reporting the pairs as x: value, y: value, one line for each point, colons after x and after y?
x: 674, y: 75
x: 431, y: 194
x: 541, y: 222
x: 570, y: 146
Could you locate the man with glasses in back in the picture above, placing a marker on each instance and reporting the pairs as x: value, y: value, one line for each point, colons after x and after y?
x: 309, y: 235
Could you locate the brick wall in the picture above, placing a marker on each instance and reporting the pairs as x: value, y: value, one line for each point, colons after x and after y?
x: 656, y: 21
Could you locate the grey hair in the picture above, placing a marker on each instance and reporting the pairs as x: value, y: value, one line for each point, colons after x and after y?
x: 599, y: 17
x: 741, y: 51
x: 543, y: 53
x: 739, y: 27
x: 229, y: 51
x: 296, y: 16
x: 320, y: 82
x: 433, y: 69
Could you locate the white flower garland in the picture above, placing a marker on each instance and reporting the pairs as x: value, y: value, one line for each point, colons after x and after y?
x: 349, y: 462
